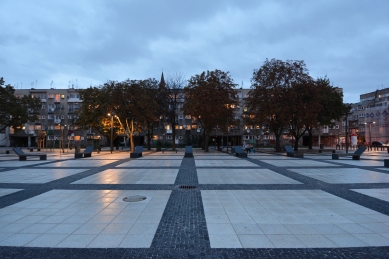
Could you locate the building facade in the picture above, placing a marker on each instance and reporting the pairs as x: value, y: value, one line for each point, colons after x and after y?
x: 56, y: 120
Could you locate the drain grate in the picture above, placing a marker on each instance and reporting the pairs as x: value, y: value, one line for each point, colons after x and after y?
x: 187, y: 187
x: 134, y: 198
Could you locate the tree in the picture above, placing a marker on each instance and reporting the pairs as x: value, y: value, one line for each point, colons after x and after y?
x: 331, y: 107
x: 93, y: 114
x: 272, y: 100
x: 16, y: 111
x: 171, y: 98
x: 133, y: 103
x: 208, y: 98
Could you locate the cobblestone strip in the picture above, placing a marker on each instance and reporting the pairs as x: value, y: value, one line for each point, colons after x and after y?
x: 183, y: 222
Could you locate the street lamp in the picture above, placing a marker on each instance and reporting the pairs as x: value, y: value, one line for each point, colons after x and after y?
x: 371, y: 122
x: 111, y: 115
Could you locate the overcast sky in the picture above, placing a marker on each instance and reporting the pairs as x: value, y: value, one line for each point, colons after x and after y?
x: 87, y: 42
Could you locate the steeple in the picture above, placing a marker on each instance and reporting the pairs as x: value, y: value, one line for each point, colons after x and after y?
x: 162, y: 82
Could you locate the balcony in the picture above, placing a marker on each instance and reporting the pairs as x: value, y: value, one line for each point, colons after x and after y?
x: 70, y: 111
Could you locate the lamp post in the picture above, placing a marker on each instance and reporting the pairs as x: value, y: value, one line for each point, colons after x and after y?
x: 371, y: 122
x: 111, y: 115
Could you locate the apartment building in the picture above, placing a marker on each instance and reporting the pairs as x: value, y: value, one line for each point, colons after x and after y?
x: 370, y: 116
x: 56, y: 119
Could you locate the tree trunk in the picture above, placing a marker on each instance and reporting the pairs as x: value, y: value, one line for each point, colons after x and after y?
x: 148, y: 140
x: 173, y: 137
x: 278, y: 144
x: 310, y: 138
x: 296, y: 143
x: 206, y: 142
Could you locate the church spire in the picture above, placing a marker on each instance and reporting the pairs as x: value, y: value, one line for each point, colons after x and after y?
x: 162, y: 82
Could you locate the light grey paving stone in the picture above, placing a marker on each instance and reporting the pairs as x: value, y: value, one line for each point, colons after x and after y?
x: 373, y: 239
x: 149, y: 218
x: 301, y: 229
x: 344, y: 175
x: 345, y: 240
x: 274, y: 229
x: 265, y: 219
x: 328, y: 229
x: 53, y: 219
x: 14, y: 227
x: 220, y: 229
x: 247, y: 229
x: 376, y: 227
x: 119, y: 229
x: 106, y: 241
x: 32, y: 219
x: 313, y: 219
x: 241, y: 219
x: 64, y: 228
x: 225, y: 241
x: 288, y: 219
x: 360, y: 219
x: 143, y: 228
x: 38, y: 228
x: 47, y: 240
x: 18, y: 239
x: 255, y: 241
x: 285, y: 241
x: 90, y: 229
x: 4, y: 236
x: 316, y: 241
x: 354, y: 228
x: 76, y: 241
x: 137, y: 241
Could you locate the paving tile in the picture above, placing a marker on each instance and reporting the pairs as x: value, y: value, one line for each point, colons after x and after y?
x: 255, y: 241
x: 106, y: 241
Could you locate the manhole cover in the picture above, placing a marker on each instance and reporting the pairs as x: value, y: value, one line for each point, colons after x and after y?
x: 134, y: 198
x: 187, y: 187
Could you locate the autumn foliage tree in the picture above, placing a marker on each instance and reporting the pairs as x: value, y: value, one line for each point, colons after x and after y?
x: 133, y: 104
x: 331, y: 106
x: 208, y: 98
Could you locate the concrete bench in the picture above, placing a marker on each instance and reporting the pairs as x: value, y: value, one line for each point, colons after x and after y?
x: 23, y: 156
x: 87, y: 153
x: 291, y: 153
x: 188, y: 151
x: 356, y: 155
x: 137, y: 153
x: 239, y: 152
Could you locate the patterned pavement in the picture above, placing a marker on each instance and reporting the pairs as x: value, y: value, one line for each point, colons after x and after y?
x: 267, y: 205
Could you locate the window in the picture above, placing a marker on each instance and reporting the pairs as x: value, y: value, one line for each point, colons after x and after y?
x: 188, y: 127
x: 168, y: 127
x: 43, y: 127
x: 62, y: 117
x: 180, y: 127
x: 50, y: 117
x: 43, y: 117
x: 57, y: 98
x: 194, y: 126
x: 169, y: 137
x: 69, y: 116
x: 336, y: 126
x: 62, y: 96
x: 51, y: 96
x: 43, y: 106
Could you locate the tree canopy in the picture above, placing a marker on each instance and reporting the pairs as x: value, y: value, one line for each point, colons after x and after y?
x: 209, y: 98
x: 16, y: 111
x: 133, y: 104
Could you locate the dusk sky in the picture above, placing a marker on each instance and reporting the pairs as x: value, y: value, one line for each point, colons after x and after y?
x: 47, y: 44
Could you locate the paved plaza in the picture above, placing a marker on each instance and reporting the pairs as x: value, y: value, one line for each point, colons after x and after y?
x: 213, y: 205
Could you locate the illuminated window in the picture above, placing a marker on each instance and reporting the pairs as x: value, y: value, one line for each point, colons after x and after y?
x: 188, y: 127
